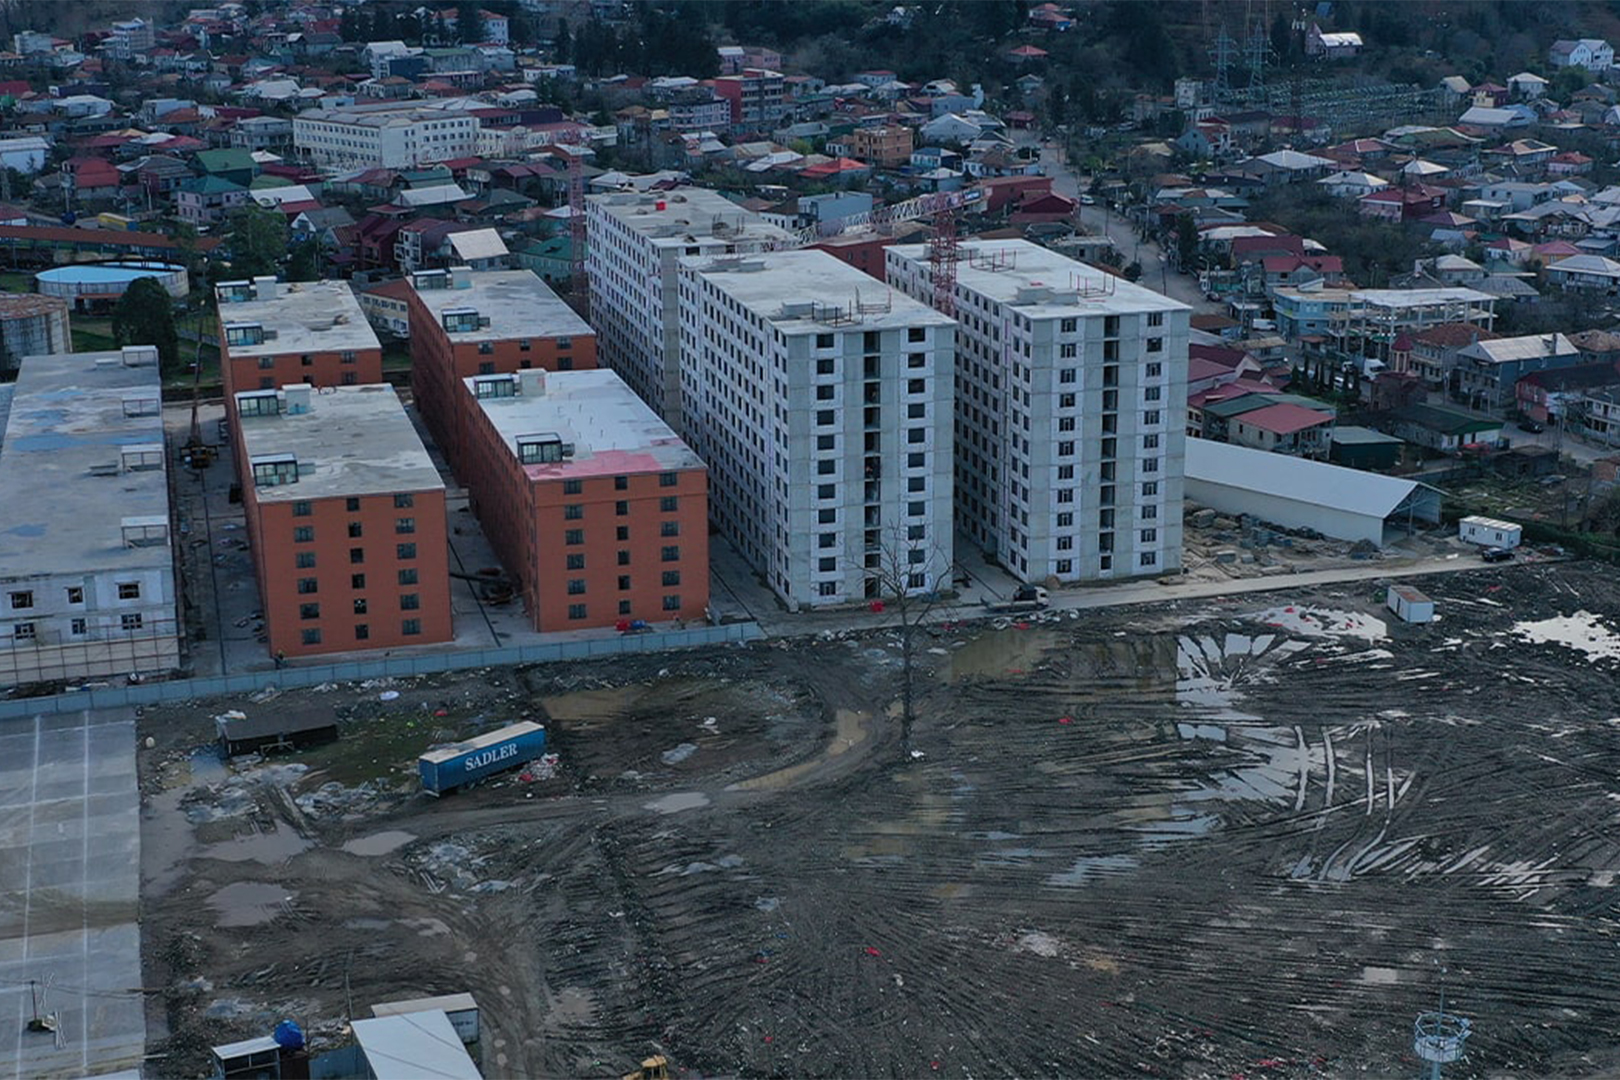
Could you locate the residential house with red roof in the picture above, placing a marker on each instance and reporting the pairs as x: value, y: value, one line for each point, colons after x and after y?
x: 1285, y: 428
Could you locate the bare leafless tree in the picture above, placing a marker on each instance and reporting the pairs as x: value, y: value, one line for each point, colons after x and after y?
x: 911, y: 574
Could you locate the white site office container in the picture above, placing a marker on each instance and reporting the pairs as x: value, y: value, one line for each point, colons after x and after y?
x: 1409, y: 604
x: 1488, y: 532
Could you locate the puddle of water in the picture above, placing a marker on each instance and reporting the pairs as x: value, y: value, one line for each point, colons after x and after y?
x: 1380, y: 976
x: 679, y: 754
x: 1582, y: 631
x: 681, y: 800
x: 166, y: 841
x: 273, y: 847
x: 207, y: 767
x: 380, y: 843
x: 249, y: 903
x: 1089, y: 868
x: 996, y: 654
x: 1322, y: 622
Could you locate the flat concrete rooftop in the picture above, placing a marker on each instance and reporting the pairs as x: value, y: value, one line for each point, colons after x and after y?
x: 354, y: 440
x: 612, y: 430
x: 517, y: 303
x: 775, y: 285
x: 687, y: 214
x: 307, y: 316
x: 1012, y: 272
x: 74, y: 465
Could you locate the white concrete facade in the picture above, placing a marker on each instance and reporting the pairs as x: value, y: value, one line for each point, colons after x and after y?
x: 1070, y: 400
x: 86, y: 565
x: 391, y: 136
x: 822, y: 403
x: 634, y: 241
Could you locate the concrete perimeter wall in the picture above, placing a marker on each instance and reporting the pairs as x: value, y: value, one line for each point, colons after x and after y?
x: 402, y: 667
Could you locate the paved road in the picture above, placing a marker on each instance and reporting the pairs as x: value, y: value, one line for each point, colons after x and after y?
x: 1156, y: 275
x: 69, y: 891
x: 777, y: 623
x: 1580, y: 449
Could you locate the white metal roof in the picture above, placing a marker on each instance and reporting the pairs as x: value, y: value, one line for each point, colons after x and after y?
x: 415, y: 1046
x: 1313, y: 482
x: 478, y: 244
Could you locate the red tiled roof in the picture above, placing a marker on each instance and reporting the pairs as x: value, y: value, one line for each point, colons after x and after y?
x: 1454, y: 335
x: 1285, y: 418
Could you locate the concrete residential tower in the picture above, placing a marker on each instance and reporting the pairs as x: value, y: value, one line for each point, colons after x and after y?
x: 822, y: 402
x: 634, y: 242
x: 86, y: 561
x: 1072, y: 389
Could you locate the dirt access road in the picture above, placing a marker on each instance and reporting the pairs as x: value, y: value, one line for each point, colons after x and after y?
x: 1205, y: 838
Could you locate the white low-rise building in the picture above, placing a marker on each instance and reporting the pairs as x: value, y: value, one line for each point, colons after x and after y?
x: 634, y: 242
x: 1071, y: 396
x: 391, y: 135
x: 86, y: 567
x: 822, y: 403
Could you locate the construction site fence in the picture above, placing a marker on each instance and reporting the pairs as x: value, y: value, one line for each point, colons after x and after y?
x: 291, y: 678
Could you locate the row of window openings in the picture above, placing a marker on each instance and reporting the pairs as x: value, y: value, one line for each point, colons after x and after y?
x: 402, y: 501
x: 622, y: 483
x: 407, y: 602
x: 304, y: 534
x: 575, y: 537
x: 27, y: 631
x: 872, y: 340
x: 667, y: 504
x: 873, y: 393
x: 576, y: 586
x: 268, y: 382
x: 266, y: 363
x: 872, y: 368
x: 23, y: 599
x: 309, y: 585
x: 306, y: 559
x: 671, y: 602
x: 362, y: 631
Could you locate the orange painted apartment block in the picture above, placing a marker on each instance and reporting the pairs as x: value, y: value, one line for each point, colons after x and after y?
x: 346, y: 518
x: 591, y: 502
x: 485, y: 322
x: 274, y: 334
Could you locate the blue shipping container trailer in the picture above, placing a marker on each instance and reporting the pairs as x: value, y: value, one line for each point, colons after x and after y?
x: 449, y: 767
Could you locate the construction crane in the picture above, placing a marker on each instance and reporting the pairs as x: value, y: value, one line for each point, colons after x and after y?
x: 885, y: 217
x: 943, y: 255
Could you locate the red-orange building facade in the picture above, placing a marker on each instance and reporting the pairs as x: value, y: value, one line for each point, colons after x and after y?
x: 346, y: 520
x: 594, y: 506
x: 274, y: 334
x: 485, y: 322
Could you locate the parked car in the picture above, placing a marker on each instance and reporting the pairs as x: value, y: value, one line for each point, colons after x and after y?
x: 1088, y: 200
x: 1533, y: 426
x: 1497, y: 554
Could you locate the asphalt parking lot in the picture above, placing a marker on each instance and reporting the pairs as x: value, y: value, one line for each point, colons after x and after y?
x: 69, y: 889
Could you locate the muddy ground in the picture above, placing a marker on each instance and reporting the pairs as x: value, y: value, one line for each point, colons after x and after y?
x: 1211, y: 839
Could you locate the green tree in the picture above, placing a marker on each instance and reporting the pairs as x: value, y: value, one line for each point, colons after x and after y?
x: 256, y: 239
x: 469, y: 24
x: 145, y: 316
x: 1186, y: 242
x: 562, y: 46
x: 304, y: 262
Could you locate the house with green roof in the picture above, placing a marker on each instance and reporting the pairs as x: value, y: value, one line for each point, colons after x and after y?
x: 204, y: 200
x: 236, y: 165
